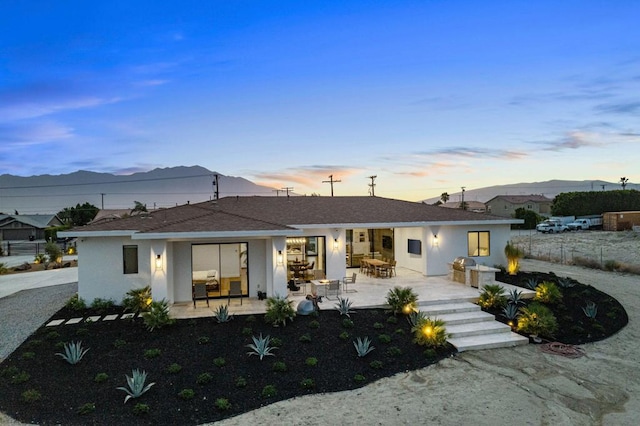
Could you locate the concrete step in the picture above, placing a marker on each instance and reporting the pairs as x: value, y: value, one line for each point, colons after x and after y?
x: 448, y: 308
x: 465, y: 317
x: 477, y: 329
x: 488, y: 341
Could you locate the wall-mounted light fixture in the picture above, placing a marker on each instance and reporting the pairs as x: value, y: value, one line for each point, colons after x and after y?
x: 280, y: 258
x: 335, y: 244
x: 436, y: 243
x: 158, y: 262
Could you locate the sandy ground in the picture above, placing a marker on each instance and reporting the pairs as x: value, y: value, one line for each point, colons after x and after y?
x: 598, y: 245
x: 512, y: 386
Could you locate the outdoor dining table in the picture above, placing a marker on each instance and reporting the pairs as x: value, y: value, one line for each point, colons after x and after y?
x: 377, y: 264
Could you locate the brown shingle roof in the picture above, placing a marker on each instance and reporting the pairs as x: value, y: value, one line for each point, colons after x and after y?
x: 521, y: 199
x: 281, y: 213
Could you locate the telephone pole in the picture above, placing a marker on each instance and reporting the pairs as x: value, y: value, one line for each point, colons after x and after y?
x: 287, y: 188
x: 216, y: 187
x: 277, y: 191
x: 331, y: 181
x: 372, y: 186
x: 102, y: 196
x: 462, y: 203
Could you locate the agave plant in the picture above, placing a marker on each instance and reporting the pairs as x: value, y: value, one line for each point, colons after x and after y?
x: 510, y: 311
x: 136, y: 386
x: 515, y: 297
x: 363, y: 346
x: 415, y: 317
x: 222, y: 314
x: 344, y: 307
x: 566, y: 282
x: 531, y: 283
x: 73, y: 352
x: 591, y: 310
x: 260, y: 346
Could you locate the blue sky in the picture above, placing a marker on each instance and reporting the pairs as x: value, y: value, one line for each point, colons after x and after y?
x: 427, y: 95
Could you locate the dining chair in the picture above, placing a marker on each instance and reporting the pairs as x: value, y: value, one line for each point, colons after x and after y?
x: 349, y: 280
x: 333, y: 286
x: 235, y: 289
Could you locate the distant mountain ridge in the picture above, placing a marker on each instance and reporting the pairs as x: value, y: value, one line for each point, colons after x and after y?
x: 549, y: 189
x: 161, y: 187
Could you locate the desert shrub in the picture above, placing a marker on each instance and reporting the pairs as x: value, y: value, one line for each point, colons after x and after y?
x: 311, y: 361
x: 53, y: 252
x: 629, y: 269
x: 430, y: 332
x: 347, y: 323
x: 492, y: 297
x: 204, y: 378
x: 203, y: 340
x: 119, y: 343
x: 392, y: 320
x: 586, y: 262
x: 158, y: 315
x: 384, y: 338
x: 247, y: 331
x: 250, y: 318
x: 137, y: 300
x: 548, y: 292
x: 344, y: 335
x: 402, y: 300
x: 186, y: 394
x: 269, y: 391
x: 393, y: 351
x: 152, y: 353
x: 378, y: 325
x: 537, y: 319
x: 376, y: 365
x: 279, y: 310
x: 174, y: 368
x: 141, y: 408
x: 279, y: 366
x: 305, y: 338
x: 86, y: 408
x: 20, y: 377
x: 314, y: 324
x: 100, y: 377
x: 28, y: 355
x: 3, y: 268
x: 307, y: 383
x: 241, y: 382
x: 30, y: 395
x: 219, y: 362
x: 52, y: 335
x: 222, y: 404
x: 76, y: 303
x: 430, y: 353
x: 276, y: 342
x: 359, y: 378
x: 102, y: 305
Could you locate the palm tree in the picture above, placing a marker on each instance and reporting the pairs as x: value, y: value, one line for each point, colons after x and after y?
x: 444, y: 197
x: 138, y: 208
x: 623, y: 182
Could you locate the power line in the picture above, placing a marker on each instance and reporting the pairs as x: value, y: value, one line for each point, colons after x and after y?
x: 331, y: 181
x: 372, y: 186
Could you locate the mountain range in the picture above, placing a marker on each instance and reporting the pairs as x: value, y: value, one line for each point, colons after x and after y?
x: 167, y: 187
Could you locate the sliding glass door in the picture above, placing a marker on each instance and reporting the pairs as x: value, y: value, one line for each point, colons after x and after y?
x: 219, y: 264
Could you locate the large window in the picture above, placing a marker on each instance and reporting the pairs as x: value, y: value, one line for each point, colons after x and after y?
x: 130, y: 259
x: 218, y: 265
x: 478, y: 243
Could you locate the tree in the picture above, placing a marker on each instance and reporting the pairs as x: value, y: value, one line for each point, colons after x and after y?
x: 138, y: 208
x: 444, y: 197
x: 623, y: 182
x: 79, y: 215
x: 513, y: 254
x: 531, y: 218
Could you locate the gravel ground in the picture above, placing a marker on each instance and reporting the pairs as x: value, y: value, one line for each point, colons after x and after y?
x: 22, y: 313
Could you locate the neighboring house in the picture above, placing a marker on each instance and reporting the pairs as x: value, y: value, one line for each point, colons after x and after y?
x: 107, y: 215
x: 26, y: 226
x: 506, y: 205
x: 258, y: 241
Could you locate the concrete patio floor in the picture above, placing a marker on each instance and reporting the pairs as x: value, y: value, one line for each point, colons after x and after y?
x: 371, y: 293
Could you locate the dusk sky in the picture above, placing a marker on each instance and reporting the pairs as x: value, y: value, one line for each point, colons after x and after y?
x: 427, y: 95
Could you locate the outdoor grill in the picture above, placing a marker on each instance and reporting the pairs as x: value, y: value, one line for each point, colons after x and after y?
x: 459, y: 266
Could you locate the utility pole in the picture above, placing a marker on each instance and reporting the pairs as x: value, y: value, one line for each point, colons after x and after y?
x: 462, y: 203
x: 216, y: 187
x: 102, y: 196
x: 287, y: 188
x: 372, y: 186
x: 277, y: 191
x: 331, y: 181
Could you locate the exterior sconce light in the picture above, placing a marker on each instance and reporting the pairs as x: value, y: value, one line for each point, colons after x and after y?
x: 335, y: 244
x: 279, y: 258
x: 158, y: 262
x: 436, y: 243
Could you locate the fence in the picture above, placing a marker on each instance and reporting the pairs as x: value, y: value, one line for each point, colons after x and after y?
x: 23, y: 248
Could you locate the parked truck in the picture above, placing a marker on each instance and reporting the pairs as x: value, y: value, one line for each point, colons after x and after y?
x: 551, y: 227
x: 584, y: 223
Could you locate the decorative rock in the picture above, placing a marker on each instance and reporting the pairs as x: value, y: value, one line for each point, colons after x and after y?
x: 305, y: 307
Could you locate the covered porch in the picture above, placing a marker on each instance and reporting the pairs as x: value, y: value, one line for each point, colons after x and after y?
x: 370, y: 292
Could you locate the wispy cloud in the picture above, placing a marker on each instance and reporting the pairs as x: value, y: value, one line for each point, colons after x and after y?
x: 18, y: 135
x: 472, y: 152
x: 629, y: 107
x: 306, y: 176
x: 581, y: 139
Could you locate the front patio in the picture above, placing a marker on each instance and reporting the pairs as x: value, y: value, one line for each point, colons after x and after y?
x: 371, y: 293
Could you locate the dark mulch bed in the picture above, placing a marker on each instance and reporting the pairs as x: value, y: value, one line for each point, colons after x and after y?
x: 573, y: 325
x: 64, y: 388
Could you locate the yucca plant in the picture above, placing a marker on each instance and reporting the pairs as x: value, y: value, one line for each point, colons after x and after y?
x: 158, y: 315
x: 344, y: 306
x: 363, y: 346
x: 73, y: 352
x: 279, y: 310
x: 402, y: 300
x: 222, y: 314
x: 136, y: 386
x: 591, y: 310
x: 430, y: 332
x: 492, y: 296
x: 260, y: 346
x: 548, y: 292
x: 537, y: 319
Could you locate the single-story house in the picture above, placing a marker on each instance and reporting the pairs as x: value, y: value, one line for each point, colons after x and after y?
x: 22, y: 227
x: 506, y: 205
x: 258, y: 241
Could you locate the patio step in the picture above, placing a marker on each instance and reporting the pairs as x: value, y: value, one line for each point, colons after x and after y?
x: 471, y: 328
x: 488, y: 341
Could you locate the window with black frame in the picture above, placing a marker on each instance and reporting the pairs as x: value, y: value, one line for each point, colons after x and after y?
x: 478, y: 243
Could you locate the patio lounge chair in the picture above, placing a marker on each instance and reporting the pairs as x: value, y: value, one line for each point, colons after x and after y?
x: 235, y: 289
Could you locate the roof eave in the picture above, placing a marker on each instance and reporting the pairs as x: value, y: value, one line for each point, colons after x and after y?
x: 78, y: 233
x: 216, y: 234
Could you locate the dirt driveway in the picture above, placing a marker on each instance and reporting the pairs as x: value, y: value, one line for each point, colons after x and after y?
x: 497, y: 387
